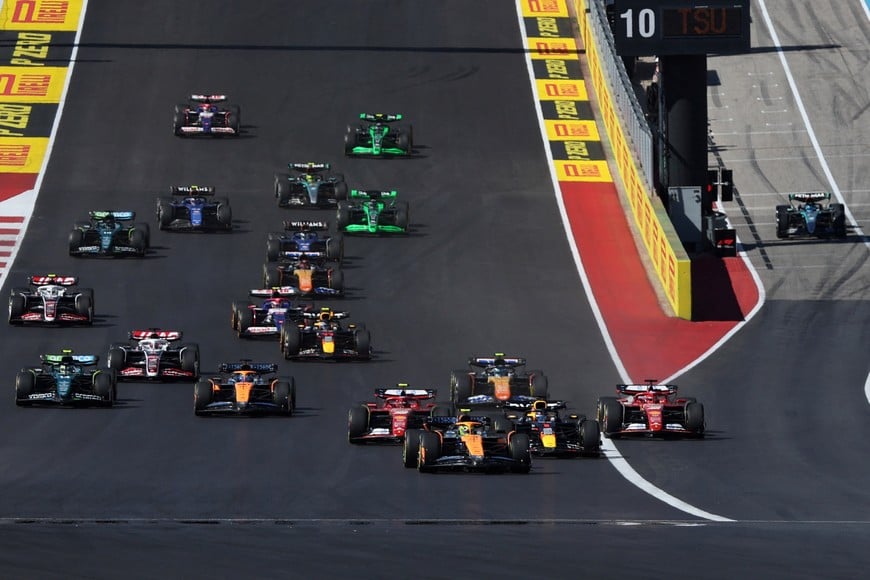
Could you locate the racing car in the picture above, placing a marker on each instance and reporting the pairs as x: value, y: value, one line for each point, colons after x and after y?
x: 304, y: 275
x: 466, y: 443
x: 322, y: 336
x: 304, y: 236
x: 51, y: 299
x: 810, y: 216
x: 194, y: 208
x: 497, y: 376
x: 372, y: 212
x: 377, y: 137
x: 245, y: 388
x: 268, y: 317
x: 109, y: 233
x: 66, y: 379
x: 551, y: 433
x: 399, y: 408
x: 203, y: 116
x: 154, y: 354
x: 650, y: 409
x: 309, y: 186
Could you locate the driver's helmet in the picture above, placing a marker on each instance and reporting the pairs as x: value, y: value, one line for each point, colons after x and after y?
x: 325, y: 316
x: 501, y: 371
x: 303, y: 264
x: 309, y: 177
x: 64, y: 369
x: 463, y: 430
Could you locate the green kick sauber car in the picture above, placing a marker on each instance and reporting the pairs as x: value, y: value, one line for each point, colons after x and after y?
x: 378, y: 138
x: 372, y: 212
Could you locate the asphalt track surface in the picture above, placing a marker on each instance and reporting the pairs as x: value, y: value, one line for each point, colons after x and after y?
x: 487, y: 267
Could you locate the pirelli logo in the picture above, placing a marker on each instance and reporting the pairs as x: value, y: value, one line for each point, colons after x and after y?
x: 43, y: 15
x: 31, y: 85
x: 14, y: 155
x: 572, y: 130
x: 596, y: 171
x: 533, y: 8
x: 553, y: 48
x: 22, y: 154
x: 561, y: 90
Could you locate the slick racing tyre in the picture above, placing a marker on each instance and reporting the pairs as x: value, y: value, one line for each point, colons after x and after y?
x: 273, y: 249
x: 271, y: 276
x: 362, y: 342
x: 138, y: 241
x: 234, y: 119
x: 402, y: 216
x: 782, y: 221
x: 282, y: 189
x: 203, y: 395
x: 838, y: 219
x: 336, y: 280
x: 590, y: 437
x: 190, y: 359
x: 178, y: 120
x: 117, y: 358
x: 225, y: 215
x: 244, y: 321
x: 540, y: 386
x: 75, y: 240
x: 611, y: 414
x: 411, y: 447
x: 695, y: 419
x: 342, y: 219
x: 430, y: 451
x: 104, y: 387
x: 281, y: 396
x: 291, y: 341
x: 461, y: 386
x: 17, y: 305
x: 502, y: 425
x: 85, y: 307
x: 164, y: 213
x: 357, y: 423
x: 518, y: 446
x: 25, y: 383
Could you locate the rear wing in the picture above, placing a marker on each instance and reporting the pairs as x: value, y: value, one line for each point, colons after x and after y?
x: 198, y: 98
x: 276, y: 292
x: 192, y: 190
x: 450, y: 421
x: 498, y: 360
x: 295, y: 256
x: 402, y: 390
x: 118, y: 215
x: 526, y: 403
x: 47, y: 279
x: 67, y: 357
x: 647, y: 388
x: 244, y: 365
x: 310, y: 225
x: 380, y: 117
x: 811, y: 196
x: 364, y: 194
x: 315, y: 315
x: 155, y: 333
x: 309, y: 167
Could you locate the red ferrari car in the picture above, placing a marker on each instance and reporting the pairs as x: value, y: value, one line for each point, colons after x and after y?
x: 650, y: 409
x: 399, y: 409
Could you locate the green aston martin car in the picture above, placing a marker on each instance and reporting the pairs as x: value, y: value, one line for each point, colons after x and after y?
x: 378, y: 138
x: 372, y: 212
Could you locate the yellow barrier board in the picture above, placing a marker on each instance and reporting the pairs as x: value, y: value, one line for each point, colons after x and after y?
x: 544, y: 48
x: 533, y: 8
x: 569, y: 130
x: 31, y: 84
x: 595, y: 171
x: 42, y: 15
x: 561, y: 90
x: 22, y: 154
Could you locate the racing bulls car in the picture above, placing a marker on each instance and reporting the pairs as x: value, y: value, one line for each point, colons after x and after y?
x: 154, y: 354
x: 650, y: 409
x: 303, y: 236
x: 194, y: 208
x: 466, y: 443
x: 109, y: 233
x: 203, y: 116
x: 378, y: 138
x: 499, y: 377
x: 372, y: 212
x: 322, y: 336
x: 304, y: 274
x: 310, y: 186
x: 810, y: 216
x: 269, y: 316
x: 399, y: 409
x: 51, y: 299
x: 551, y: 433
x: 245, y: 388
x: 65, y: 379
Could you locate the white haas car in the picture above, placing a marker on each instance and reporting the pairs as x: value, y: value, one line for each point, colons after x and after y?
x: 155, y: 354
x: 51, y: 299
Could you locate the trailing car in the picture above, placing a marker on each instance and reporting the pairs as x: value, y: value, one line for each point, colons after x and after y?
x: 377, y: 137
x: 109, y: 233
x: 304, y: 236
x: 194, y: 208
x: 650, y: 409
x: 305, y: 275
x: 66, y: 379
x: 552, y: 434
x: 323, y: 336
x: 51, y: 299
x: 466, y: 443
x: 808, y: 215
x: 268, y: 317
x: 310, y: 185
x: 372, y: 212
x: 154, y: 354
x: 398, y: 409
x: 245, y: 388
x: 499, y: 377
x: 204, y: 116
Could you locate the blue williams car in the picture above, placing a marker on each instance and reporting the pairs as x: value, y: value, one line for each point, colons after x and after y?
x: 194, y: 208
x: 109, y: 233
x: 66, y: 379
x: 304, y: 236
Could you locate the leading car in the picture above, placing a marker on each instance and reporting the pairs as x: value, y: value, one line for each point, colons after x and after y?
x: 498, y: 376
x: 652, y: 410
x: 204, y: 115
x: 810, y: 214
x: 66, y: 379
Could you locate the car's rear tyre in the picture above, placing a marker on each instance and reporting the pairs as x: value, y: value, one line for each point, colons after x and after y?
x: 336, y: 280
x: 695, y: 418
x: 335, y: 248
x: 85, y: 307
x: 281, y: 396
x: 403, y: 142
x: 349, y: 141
x: 362, y: 341
x: 190, y: 359
x: 17, y: 306
x: 282, y: 189
x: 104, y: 387
x: 271, y: 276
x: 203, y: 395
x: 25, y: 383
x: 518, y: 446
x: 782, y: 221
x: 117, y: 359
x: 244, y: 321
x: 340, y: 191
x: 461, y: 386
x: 291, y: 341
x: 411, y: 447
x: 234, y: 119
x: 590, y: 437
x: 402, y: 215
x: 610, y: 413
x: 342, y: 217
x: 442, y: 411
x: 75, y: 240
x: 430, y: 451
x: 165, y: 213
x: 273, y: 249
x: 540, y: 386
x: 502, y: 425
x: 178, y: 120
x: 225, y: 215
x: 138, y: 241
x: 838, y: 219
x: 357, y: 423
